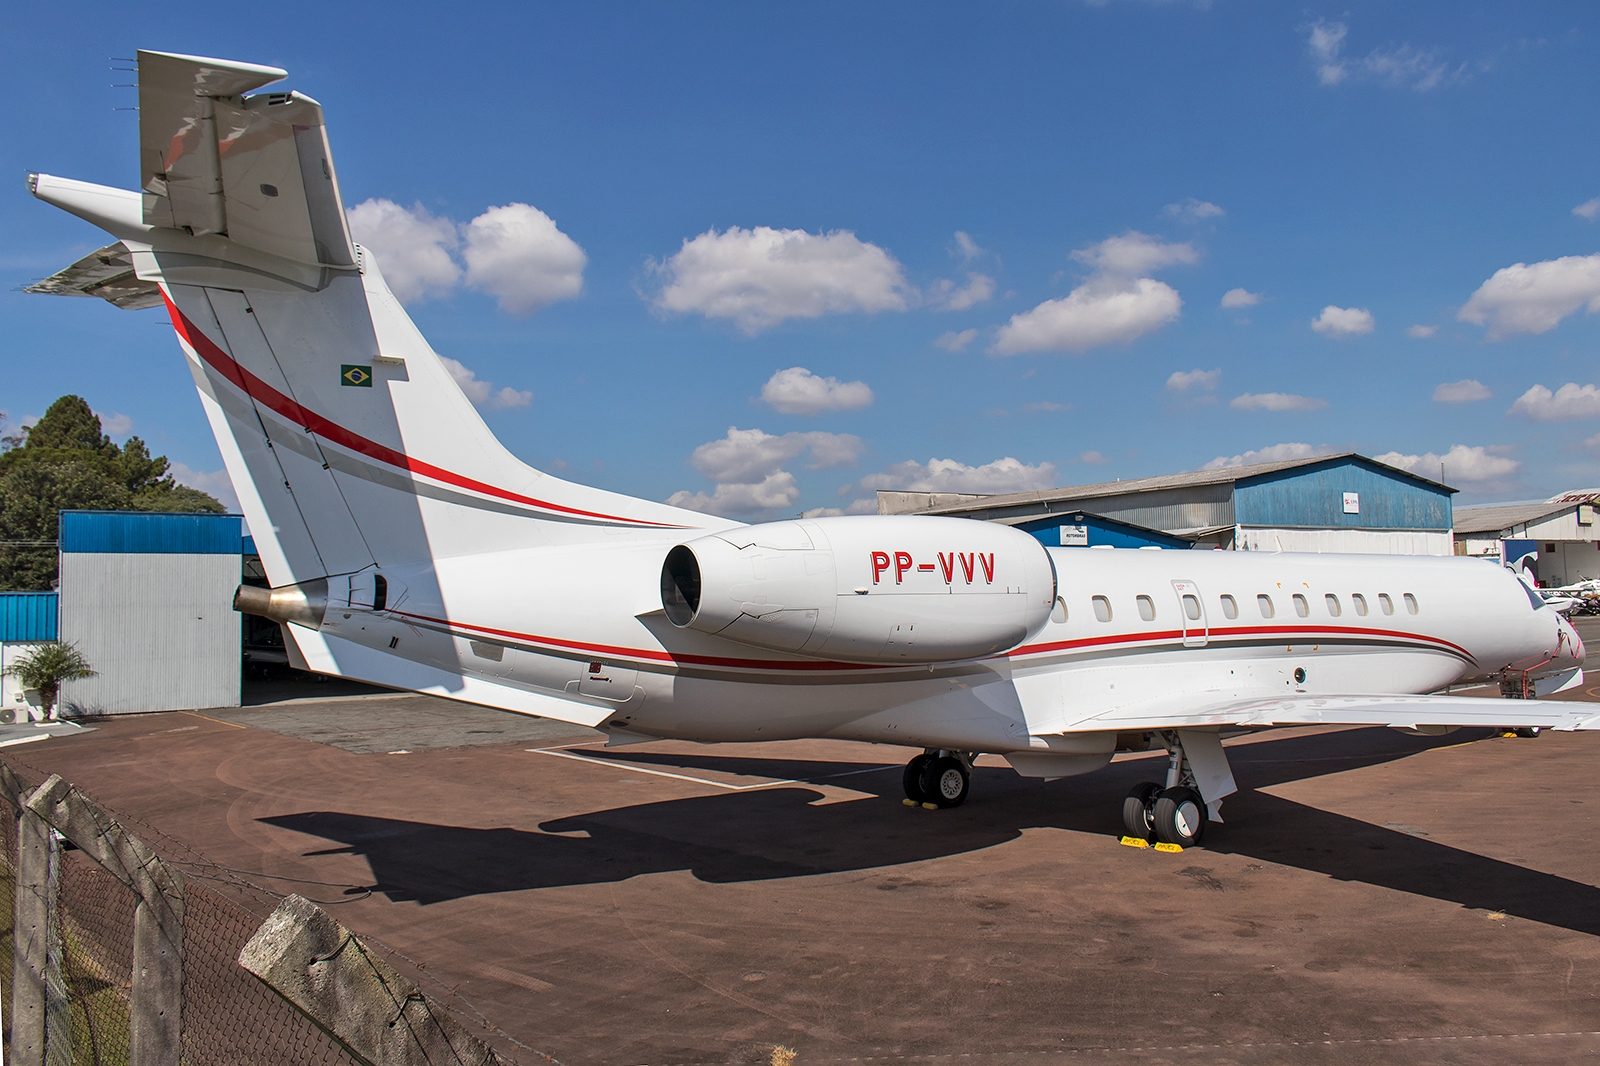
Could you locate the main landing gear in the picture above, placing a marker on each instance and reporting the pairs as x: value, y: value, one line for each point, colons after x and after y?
x: 1175, y: 814
x: 938, y: 778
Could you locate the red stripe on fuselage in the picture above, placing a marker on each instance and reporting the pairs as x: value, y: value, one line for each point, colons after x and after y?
x: 306, y: 418
x: 1295, y: 635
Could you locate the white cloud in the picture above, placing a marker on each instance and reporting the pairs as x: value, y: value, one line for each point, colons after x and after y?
x: 1462, y: 465
x: 1044, y: 407
x: 775, y: 492
x: 1343, y: 321
x: 517, y: 255
x: 967, y: 248
x: 114, y: 425
x: 483, y: 393
x: 1113, y: 306
x: 797, y: 391
x: 1236, y: 298
x: 514, y: 253
x: 215, y: 482
x: 1276, y: 401
x: 855, y: 507
x: 1589, y: 209
x: 944, y: 295
x: 1134, y: 253
x: 759, y: 277
x: 748, y: 456
x: 1275, y: 453
x: 1567, y: 404
x: 1192, y: 210
x: 1421, y: 332
x: 1468, y: 390
x: 1184, y: 380
x: 1103, y: 311
x: 1092, y: 458
x: 1402, y: 65
x: 955, y: 342
x: 948, y: 475
x: 412, y: 247
x: 1533, y: 299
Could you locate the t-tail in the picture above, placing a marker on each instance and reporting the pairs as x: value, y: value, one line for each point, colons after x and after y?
x: 350, y: 445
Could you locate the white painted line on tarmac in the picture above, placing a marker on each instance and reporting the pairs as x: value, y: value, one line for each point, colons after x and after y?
x: 633, y: 768
x: 24, y: 740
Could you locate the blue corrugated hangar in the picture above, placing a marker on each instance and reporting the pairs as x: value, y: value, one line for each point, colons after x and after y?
x: 1334, y: 503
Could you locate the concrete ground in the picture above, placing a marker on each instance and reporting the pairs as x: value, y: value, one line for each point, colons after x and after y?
x: 1373, y: 897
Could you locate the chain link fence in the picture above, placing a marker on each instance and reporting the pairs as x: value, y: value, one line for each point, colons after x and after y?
x: 91, y: 1011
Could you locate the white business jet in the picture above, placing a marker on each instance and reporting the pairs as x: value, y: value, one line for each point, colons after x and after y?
x: 408, y: 548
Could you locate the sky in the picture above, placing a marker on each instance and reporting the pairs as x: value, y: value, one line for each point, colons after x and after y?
x: 761, y: 260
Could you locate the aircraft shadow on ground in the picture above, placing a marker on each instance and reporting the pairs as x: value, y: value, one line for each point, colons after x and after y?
x: 781, y: 831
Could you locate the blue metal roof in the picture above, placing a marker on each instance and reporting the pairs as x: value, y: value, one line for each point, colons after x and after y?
x: 27, y: 616
x: 151, y: 533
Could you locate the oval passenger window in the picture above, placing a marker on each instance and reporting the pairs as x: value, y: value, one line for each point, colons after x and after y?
x: 1301, y: 607
x: 1411, y: 603
x: 1360, y: 602
x: 1264, y: 602
x: 1191, y: 608
x: 1230, y: 609
x: 1147, y: 608
x: 1059, y: 614
x: 1102, y: 608
x: 1333, y: 605
x: 1385, y: 604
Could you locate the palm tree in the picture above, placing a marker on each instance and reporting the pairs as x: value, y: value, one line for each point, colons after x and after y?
x: 47, y: 667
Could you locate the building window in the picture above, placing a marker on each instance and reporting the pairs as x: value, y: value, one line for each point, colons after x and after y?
x: 1333, y: 605
x: 1301, y: 607
x: 1230, y: 608
x: 1147, y: 608
x: 1411, y: 603
x: 1549, y: 549
x: 1385, y: 604
x: 1102, y: 608
x: 1191, y: 607
x: 1264, y: 602
x: 1360, y: 602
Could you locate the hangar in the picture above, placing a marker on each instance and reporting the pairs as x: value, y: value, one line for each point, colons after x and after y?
x: 1332, y: 503
x: 1561, y: 532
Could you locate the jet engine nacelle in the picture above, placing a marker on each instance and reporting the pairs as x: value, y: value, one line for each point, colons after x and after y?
x: 885, y: 589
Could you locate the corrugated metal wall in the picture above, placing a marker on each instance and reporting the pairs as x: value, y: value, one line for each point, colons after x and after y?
x: 26, y: 616
x: 1350, y: 541
x: 1313, y: 498
x: 160, y: 629
x: 151, y: 532
x: 1195, y: 507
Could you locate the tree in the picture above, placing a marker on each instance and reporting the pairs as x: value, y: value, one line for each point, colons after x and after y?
x: 47, y: 667
x: 66, y: 462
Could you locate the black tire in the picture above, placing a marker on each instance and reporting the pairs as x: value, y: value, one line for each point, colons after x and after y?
x: 1138, y: 814
x: 911, y: 780
x: 1528, y: 732
x: 1180, y: 817
x: 944, y: 782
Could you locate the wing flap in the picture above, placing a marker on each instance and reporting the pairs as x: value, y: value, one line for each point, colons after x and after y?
x: 106, y: 273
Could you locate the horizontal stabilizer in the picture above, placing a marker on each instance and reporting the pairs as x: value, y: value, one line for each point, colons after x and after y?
x: 108, y: 274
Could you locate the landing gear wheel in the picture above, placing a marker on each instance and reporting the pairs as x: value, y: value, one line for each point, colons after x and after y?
x: 1528, y: 732
x: 1138, y: 814
x: 911, y: 780
x: 944, y: 782
x: 1180, y: 817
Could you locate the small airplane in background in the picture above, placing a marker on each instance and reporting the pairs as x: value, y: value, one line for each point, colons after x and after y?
x: 407, y: 547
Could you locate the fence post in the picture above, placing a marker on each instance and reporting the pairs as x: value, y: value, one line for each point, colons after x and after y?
x: 325, y: 970
x: 155, y: 1005
x: 30, y: 924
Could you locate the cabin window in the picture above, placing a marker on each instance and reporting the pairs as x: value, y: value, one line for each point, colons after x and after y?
x: 1191, y: 608
x: 1301, y: 607
x: 1360, y: 603
x: 1333, y: 605
x: 1147, y: 608
x: 1102, y: 608
x: 1264, y: 602
x: 1230, y: 608
x: 1058, y: 614
x: 1411, y: 603
x: 1385, y: 604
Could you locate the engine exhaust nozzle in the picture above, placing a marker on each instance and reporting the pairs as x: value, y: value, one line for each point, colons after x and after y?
x: 303, y: 604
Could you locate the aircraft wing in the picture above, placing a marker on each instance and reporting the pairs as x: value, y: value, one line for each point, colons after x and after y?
x: 255, y: 169
x: 1397, y: 711
x: 108, y: 274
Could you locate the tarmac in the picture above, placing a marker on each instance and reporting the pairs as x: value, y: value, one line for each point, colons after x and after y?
x: 1372, y: 897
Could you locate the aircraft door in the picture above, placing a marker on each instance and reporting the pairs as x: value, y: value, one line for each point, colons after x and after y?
x: 1192, y: 614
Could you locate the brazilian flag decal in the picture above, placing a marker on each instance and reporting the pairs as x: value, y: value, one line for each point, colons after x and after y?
x: 359, y: 376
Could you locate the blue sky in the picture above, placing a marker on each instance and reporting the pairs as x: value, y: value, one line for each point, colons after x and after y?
x: 1000, y: 228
